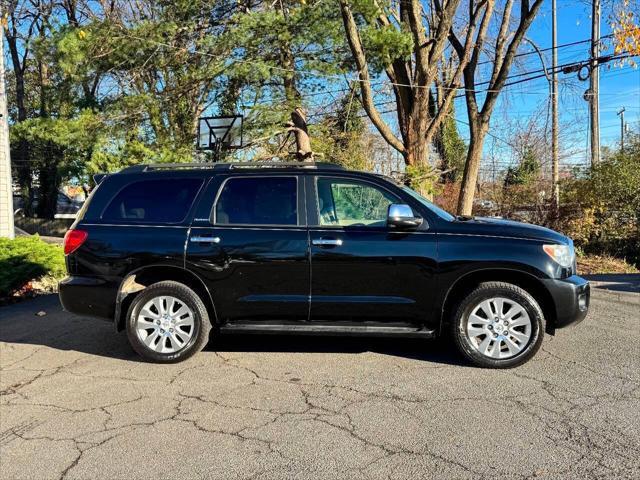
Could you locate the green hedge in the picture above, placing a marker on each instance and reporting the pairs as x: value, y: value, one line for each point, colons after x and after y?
x: 25, y: 259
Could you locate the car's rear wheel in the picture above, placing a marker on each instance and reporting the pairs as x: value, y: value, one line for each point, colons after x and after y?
x: 498, y: 325
x: 167, y: 323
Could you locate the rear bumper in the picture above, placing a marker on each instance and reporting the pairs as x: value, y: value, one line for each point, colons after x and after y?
x: 571, y: 297
x: 88, y: 296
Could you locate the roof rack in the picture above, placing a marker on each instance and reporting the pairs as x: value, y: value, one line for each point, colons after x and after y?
x: 230, y: 166
x: 167, y: 166
x: 311, y: 165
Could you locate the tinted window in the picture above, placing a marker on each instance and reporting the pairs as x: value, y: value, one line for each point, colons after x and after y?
x: 157, y: 201
x: 258, y: 201
x: 434, y: 208
x: 351, y: 203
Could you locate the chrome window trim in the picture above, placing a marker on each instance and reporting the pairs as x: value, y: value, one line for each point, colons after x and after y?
x: 321, y: 229
x: 253, y: 227
x: 142, y: 225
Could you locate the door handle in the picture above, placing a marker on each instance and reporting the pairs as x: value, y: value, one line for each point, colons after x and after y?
x: 200, y: 239
x: 327, y: 242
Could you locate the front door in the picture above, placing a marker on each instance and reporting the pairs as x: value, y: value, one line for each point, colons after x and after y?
x: 253, y: 250
x: 362, y: 270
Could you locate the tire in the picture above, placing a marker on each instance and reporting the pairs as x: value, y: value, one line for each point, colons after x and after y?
x: 168, y: 312
x: 508, y: 339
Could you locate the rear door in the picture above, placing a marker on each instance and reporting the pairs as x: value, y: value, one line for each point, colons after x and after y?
x: 362, y: 270
x: 249, y: 242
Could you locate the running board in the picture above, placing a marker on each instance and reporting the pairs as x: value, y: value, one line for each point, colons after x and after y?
x: 310, y: 329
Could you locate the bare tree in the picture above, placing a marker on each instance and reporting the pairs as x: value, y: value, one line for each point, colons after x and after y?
x: 413, y: 77
x: 504, y: 50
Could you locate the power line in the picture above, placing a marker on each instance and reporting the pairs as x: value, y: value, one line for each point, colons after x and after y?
x: 572, y: 66
x: 481, y: 63
x: 311, y: 73
x: 547, y: 49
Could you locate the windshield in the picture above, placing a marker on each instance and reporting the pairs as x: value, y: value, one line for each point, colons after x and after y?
x: 435, y: 209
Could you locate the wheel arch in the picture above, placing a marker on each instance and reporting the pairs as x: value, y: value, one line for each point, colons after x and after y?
x: 137, y: 280
x: 522, y: 279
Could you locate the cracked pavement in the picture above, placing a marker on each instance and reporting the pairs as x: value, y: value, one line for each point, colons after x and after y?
x: 76, y: 402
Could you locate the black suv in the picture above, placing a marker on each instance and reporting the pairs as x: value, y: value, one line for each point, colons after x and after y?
x: 173, y: 252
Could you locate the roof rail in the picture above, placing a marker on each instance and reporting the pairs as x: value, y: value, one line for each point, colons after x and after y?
x: 179, y: 166
x: 229, y: 166
x: 146, y: 167
x: 312, y: 165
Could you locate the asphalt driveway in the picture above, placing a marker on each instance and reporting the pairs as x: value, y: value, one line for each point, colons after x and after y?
x: 77, y: 403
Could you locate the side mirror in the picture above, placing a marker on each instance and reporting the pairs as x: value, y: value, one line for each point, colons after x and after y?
x: 401, y: 216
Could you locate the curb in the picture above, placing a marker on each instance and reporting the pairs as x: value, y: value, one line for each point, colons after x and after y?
x: 600, y: 291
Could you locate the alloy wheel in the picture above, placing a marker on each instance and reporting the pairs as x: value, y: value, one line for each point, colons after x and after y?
x: 165, y: 324
x: 499, y: 328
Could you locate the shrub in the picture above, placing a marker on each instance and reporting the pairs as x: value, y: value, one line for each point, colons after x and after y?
x: 447, y: 198
x: 526, y: 172
x: 608, y: 199
x: 26, y: 259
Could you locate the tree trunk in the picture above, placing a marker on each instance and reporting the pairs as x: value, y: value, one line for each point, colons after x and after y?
x: 24, y: 176
x: 303, y: 142
x: 49, y: 185
x: 418, y: 145
x: 21, y: 153
x: 23, y: 168
x: 417, y: 148
x: 472, y: 167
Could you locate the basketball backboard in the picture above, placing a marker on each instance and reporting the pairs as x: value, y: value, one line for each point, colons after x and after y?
x: 218, y: 133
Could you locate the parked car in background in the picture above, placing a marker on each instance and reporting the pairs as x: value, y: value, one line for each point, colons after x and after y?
x: 67, y: 207
x: 173, y: 252
x: 489, y: 205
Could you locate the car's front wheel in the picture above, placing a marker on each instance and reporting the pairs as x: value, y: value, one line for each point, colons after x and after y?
x: 167, y: 323
x: 498, y: 325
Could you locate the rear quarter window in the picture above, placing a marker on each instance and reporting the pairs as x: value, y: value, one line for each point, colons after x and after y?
x: 153, y: 201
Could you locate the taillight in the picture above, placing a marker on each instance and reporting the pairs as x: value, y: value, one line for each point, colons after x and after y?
x: 73, y: 239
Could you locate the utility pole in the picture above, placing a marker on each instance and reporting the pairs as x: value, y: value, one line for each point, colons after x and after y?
x: 621, y: 115
x: 594, y: 86
x: 6, y: 185
x: 554, y: 113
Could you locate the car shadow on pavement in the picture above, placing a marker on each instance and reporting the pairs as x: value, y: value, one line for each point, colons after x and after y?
x: 436, y: 351
x: 42, y: 322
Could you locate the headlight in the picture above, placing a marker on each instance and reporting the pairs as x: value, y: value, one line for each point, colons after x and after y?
x: 562, y: 254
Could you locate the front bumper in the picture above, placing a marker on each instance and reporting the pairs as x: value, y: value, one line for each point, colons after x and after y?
x: 88, y: 296
x: 571, y: 298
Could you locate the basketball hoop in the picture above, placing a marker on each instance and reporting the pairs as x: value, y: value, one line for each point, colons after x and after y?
x: 218, y: 133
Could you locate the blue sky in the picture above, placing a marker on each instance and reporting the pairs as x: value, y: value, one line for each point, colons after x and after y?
x: 619, y: 87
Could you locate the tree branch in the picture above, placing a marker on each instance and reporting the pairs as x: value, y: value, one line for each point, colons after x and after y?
x: 420, y: 44
x: 357, y: 51
x: 501, y: 40
x: 526, y: 18
x: 464, y: 53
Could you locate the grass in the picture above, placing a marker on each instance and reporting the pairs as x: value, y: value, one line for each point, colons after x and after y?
x: 597, y: 264
x: 28, y: 264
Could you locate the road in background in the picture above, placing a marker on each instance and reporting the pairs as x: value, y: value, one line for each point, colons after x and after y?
x: 77, y: 403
